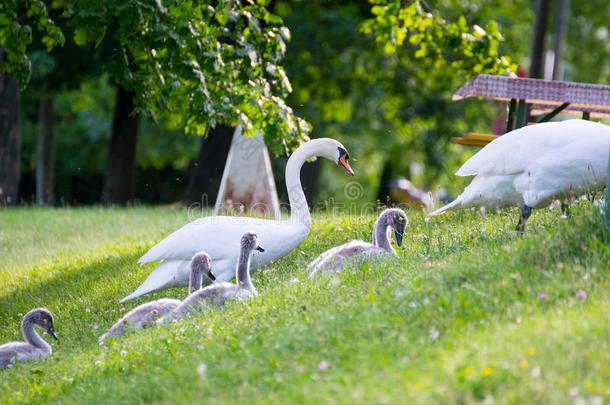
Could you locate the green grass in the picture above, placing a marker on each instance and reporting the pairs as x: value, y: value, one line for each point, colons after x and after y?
x: 456, y: 318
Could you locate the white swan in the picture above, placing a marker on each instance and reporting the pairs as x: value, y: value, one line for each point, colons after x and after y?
x: 337, y: 258
x: 146, y: 314
x: 216, y: 295
x: 534, y: 165
x: 219, y: 235
x: 34, y: 346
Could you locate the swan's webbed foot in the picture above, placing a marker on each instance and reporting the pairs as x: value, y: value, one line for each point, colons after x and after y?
x: 526, y: 211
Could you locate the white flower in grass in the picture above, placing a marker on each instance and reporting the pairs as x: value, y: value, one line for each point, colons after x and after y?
x: 98, y: 363
x: 573, y: 391
x: 123, y: 353
x: 294, y: 281
x: 88, y: 310
x: 201, y: 369
x: 596, y: 400
x: 536, y: 372
x: 426, y: 301
x: 580, y: 401
x: 323, y: 366
x: 412, y: 304
x: 434, y: 333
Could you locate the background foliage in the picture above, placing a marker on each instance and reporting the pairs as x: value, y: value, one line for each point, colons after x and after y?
x: 367, y: 74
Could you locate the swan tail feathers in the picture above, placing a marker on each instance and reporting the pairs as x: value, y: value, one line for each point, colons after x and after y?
x: 161, y: 278
x: 149, y: 256
x: 453, y: 204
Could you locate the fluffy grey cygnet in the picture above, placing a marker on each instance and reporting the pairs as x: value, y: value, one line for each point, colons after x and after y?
x: 145, y: 315
x: 217, y: 294
x: 34, y: 346
x: 338, y: 257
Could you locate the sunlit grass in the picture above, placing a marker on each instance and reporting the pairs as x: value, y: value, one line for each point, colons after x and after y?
x: 470, y: 312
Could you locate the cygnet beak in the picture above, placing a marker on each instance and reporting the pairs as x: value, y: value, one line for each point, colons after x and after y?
x: 52, y: 333
x: 398, y: 236
x: 260, y: 249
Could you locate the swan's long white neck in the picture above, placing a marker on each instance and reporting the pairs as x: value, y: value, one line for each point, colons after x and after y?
x: 31, y: 337
x: 381, y: 238
x: 299, y: 211
x: 242, y: 276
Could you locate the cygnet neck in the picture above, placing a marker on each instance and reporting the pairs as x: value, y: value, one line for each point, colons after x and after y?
x: 381, y: 238
x: 242, y: 276
x: 31, y: 336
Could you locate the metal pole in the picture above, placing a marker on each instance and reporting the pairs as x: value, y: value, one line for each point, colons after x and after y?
x: 560, y: 33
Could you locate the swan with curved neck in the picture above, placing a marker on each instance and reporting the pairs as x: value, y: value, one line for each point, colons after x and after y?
x: 219, y: 235
x: 218, y: 294
x: 338, y: 257
x: 146, y: 314
x: 34, y: 346
x: 532, y: 166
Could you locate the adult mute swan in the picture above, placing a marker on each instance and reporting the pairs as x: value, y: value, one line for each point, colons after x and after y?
x: 217, y: 294
x: 219, y: 235
x: 146, y: 314
x: 336, y: 258
x: 34, y: 346
x: 534, y: 165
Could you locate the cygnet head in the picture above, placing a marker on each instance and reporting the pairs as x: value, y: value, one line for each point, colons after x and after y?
x: 249, y: 242
x: 201, y: 265
x: 398, y: 220
x: 43, y: 318
x: 333, y: 150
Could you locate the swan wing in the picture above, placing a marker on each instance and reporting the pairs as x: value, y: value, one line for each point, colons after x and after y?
x: 511, y: 154
x: 219, y: 237
x: 339, y: 256
x: 9, y: 351
x: 167, y: 274
x: 575, y: 169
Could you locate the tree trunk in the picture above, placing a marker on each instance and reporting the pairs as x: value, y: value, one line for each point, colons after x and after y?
x: 119, y: 180
x: 10, y: 137
x: 45, y: 169
x: 560, y: 34
x: 537, y: 55
x: 206, y: 172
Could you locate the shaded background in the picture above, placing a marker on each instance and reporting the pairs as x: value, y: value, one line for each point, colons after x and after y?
x: 394, y: 114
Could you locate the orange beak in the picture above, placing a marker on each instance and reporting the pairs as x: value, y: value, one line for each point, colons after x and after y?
x: 343, y: 162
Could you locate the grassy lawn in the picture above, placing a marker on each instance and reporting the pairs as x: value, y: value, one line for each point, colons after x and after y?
x: 469, y: 312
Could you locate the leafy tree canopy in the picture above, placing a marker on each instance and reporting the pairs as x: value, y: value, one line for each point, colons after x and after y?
x: 467, y: 50
x: 195, y: 63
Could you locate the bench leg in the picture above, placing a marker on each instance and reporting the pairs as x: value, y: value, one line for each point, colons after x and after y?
x: 511, y: 114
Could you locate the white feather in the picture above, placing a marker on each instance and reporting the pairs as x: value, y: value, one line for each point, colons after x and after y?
x: 536, y: 164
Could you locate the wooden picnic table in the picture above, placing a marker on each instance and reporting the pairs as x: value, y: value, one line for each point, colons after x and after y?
x: 546, y: 98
